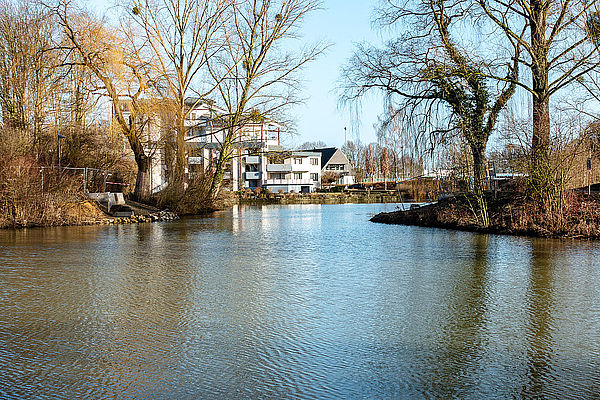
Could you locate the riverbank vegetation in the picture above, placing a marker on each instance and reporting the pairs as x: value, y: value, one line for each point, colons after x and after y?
x: 82, y: 91
x: 521, y: 76
x: 512, y: 213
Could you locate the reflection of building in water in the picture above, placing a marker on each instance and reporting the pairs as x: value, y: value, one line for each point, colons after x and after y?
x: 237, y: 218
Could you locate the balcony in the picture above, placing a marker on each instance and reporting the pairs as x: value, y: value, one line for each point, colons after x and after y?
x: 195, y: 160
x: 300, y: 167
x: 289, y: 182
x: 252, y: 175
x: 279, y: 167
x: 252, y: 159
x: 193, y: 122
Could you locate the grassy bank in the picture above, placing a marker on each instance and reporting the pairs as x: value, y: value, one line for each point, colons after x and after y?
x: 510, y: 213
x: 51, y: 211
x: 57, y: 208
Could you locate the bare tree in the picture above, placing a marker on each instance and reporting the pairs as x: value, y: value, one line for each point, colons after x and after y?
x: 437, y: 81
x: 370, y: 166
x: 258, y: 79
x: 319, y: 144
x: 384, y: 165
x: 180, y: 36
x: 557, y: 52
x: 103, y: 51
x: 28, y: 71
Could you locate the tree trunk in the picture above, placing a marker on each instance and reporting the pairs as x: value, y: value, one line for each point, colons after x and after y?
x: 142, y: 190
x: 178, y: 182
x: 540, y: 143
x: 479, y: 173
x: 219, y: 174
x: 479, y: 176
x: 540, y: 178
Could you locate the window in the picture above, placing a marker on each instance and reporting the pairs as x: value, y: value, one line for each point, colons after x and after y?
x: 297, y: 175
x: 297, y: 161
x: 314, y: 161
x: 314, y: 177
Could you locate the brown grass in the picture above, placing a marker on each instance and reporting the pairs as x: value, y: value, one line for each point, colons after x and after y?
x: 194, y: 200
x: 510, y: 213
x: 23, y: 201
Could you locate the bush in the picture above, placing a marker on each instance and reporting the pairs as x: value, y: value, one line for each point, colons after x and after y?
x: 195, y: 199
x: 23, y: 200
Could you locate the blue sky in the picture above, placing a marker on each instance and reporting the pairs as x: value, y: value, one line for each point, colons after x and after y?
x: 342, y: 23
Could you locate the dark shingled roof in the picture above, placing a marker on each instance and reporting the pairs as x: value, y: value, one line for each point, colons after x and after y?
x: 326, y: 154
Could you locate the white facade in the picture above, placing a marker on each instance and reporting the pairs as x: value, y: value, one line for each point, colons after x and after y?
x: 346, y: 180
x: 333, y: 160
x: 298, y: 171
x: 204, y: 137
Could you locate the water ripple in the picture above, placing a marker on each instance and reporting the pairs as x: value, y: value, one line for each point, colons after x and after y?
x: 296, y: 302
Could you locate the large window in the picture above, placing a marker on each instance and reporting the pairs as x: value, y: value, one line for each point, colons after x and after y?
x: 297, y: 175
x: 314, y: 177
x: 314, y: 161
x: 335, y: 167
x: 297, y: 161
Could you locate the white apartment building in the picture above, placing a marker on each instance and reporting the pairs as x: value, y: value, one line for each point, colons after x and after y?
x: 204, y: 138
x: 296, y: 171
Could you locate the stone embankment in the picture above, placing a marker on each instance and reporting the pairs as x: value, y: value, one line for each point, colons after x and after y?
x: 324, y: 198
x: 136, y: 219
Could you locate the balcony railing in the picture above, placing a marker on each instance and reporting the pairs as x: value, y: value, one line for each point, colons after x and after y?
x: 279, y: 167
x: 252, y: 160
x: 300, y: 167
x: 289, y: 182
x: 195, y: 160
x: 252, y: 175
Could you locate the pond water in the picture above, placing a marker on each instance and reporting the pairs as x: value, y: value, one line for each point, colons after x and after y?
x: 302, y: 301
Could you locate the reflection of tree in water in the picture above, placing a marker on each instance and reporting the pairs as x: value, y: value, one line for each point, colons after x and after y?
x: 540, y: 302
x: 461, y: 349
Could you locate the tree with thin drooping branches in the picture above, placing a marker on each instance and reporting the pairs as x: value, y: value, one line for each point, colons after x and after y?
x: 103, y: 51
x: 437, y: 81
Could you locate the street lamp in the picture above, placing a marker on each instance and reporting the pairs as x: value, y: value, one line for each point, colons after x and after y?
x: 589, y: 168
x: 58, y: 149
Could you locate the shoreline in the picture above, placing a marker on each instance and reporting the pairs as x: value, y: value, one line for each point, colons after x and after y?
x: 86, y: 212
x: 510, y: 214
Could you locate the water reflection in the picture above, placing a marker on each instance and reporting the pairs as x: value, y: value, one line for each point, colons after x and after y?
x: 463, y: 332
x: 303, y: 301
x: 539, y: 305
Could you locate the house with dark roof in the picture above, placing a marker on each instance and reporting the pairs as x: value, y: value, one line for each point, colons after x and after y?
x: 333, y: 160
